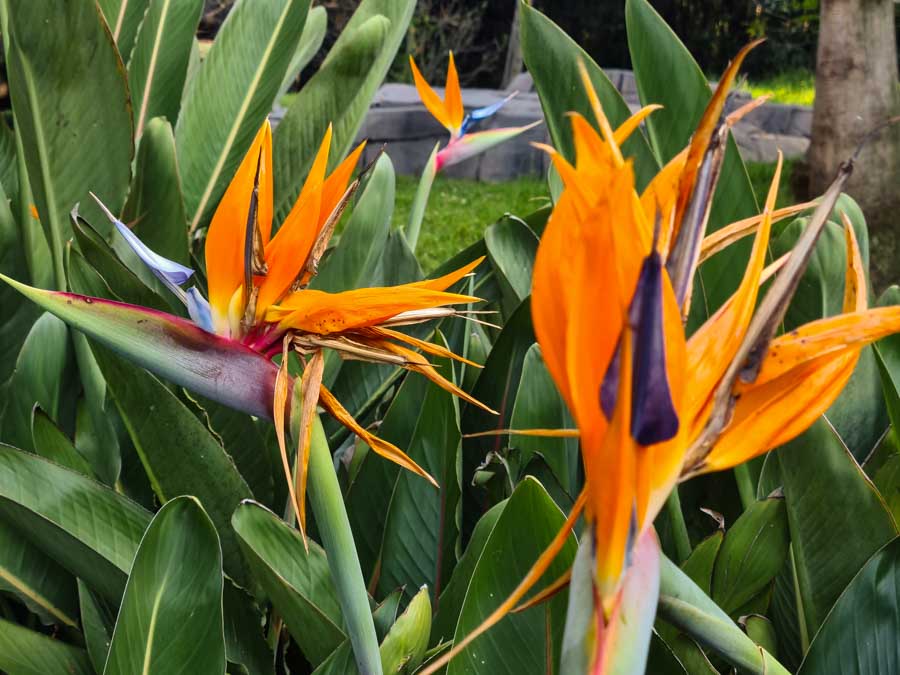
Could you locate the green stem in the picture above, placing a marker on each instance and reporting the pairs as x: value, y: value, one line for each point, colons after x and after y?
x: 679, y: 527
x: 420, y: 201
x: 746, y: 489
x: 337, y: 538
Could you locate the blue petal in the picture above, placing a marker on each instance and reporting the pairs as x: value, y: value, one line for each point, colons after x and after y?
x: 198, y: 309
x: 483, y: 113
x: 172, y: 271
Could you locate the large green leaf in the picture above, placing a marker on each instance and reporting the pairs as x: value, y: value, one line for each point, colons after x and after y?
x: 179, y: 454
x: 339, y: 94
x: 888, y: 354
x: 511, y: 246
x: 44, y: 587
x: 753, y: 552
x: 859, y: 635
x: 124, y: 18
x: 26, y: 652
x: 171, y: 347
x: 19, y: 314
x: 552, y: 58
x: 538, y: 405
x: 309, y: 45
x: 231, y: 95
x: 36, y: 379
x: 84, y: 526
x: 71, y: 105
x: 159, y: 60
x: 403, y: 648
x: 52, y: 443
x: 155, y: 207
x: 97, y: 622
x: 836, y: 517
x: 170, y: 620
x: 421, y: 528
x: 527, y: 641
x: 296, y: 582
x: 666, y: 73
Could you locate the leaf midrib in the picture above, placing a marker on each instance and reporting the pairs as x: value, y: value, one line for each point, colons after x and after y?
x: 238, y: 120
x: 38, y: 599
x: 148, y: 83
x: 151, y: 630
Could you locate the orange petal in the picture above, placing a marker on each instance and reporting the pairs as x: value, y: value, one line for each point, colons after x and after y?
x: 453, y: 97
x: 336, y: 184
x: 432, y: 101
x: 659, y: 197
x: 324, y: 313
x: 446, y: 281
x: 629, y: 126
x: 597, y: 108
x: 287, y: 252
x: 282, y: 386
x: 310, y: 383
x: 380, y: 446
x: 423, y: 345
x: 227, y: 230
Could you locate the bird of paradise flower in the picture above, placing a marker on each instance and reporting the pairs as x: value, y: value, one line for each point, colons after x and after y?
x: 653, y: 406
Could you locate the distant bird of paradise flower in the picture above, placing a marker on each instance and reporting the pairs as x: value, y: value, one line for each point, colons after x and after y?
x: 611, y: 287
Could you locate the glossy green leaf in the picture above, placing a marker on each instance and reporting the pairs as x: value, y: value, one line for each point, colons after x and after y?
x: 829, y: 499
x: 9, y: 170
x: 552, y: 58
x: 70, y: 102
x: 298, y: 584
x: 662, y: 660
x: 97, y: 623
x: 451, y: 600
x: 859, y: 635
x: 762, y: 632
x: 158, y: 63
x: 511, y: 246
x: 84, y: 526
x: 538, y: 405
x: 170, y: 620
x: 421, y: 529
x: 753, y: 552
x: 36, y: 379
x: 178, y: 453
x: 888, y: 358
x: 385, y: 614
x: 26, y: 652
x: 702, y: 561
x: 171, y: 347
x: 310, y: 42
x: 52, y: 443
x: 155, y: 206
x: 19, y: 314
x: 404, y: 647
x: 245, y: 642
x: 339, y: 94
x: 667, y: 74
x: 124, y: 18
x: 231, y: 95
x: 523, y: 642
x: 44, y: 587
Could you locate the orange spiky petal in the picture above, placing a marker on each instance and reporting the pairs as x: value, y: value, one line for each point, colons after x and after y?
x: 432, y: 101
x: 453, y: 97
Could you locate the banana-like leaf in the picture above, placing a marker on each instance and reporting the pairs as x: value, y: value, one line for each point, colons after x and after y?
x: 170, y: 620
x: 860, y: 633
x: 84, y: 526
x: 70, y: 101
x: 158, y: 64
x: 123, y: 17
x: 45, y: 588
x: 524, y: 642
x: 97, y: 623
x: 552, y: 58
x: 310, y: 42
x: 170, y: 347
x: 888, y: 353
x: 836, y: 517
x: 404, y: 646
x: 27, y: 652
x: 339, y: 94
x: 52, y: 443
x: 511, y: 246
x: 231, y: 95
x: 296, y: 582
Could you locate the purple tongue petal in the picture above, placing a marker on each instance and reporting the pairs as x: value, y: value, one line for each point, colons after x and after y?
x: 653, y: 416
x: 609, y: 389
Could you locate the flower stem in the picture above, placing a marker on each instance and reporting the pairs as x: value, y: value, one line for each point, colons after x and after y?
x: 679, y: 527
x: 420, y: 201
x: 337, y: 538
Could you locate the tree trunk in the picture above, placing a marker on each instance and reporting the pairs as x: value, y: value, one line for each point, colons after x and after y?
x: 856, y: 91
x: 513, y: 51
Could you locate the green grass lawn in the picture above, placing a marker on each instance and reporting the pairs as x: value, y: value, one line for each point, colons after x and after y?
x: 460, y: 210
x: 797, y: 87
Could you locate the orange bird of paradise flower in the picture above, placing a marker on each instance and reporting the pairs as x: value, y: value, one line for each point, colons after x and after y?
x: 258, y: 296
x: 652, y: 405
